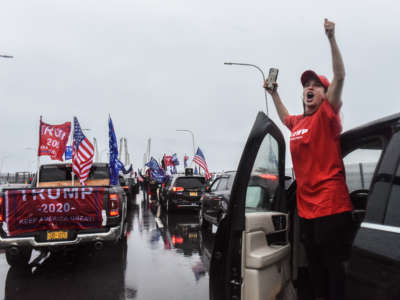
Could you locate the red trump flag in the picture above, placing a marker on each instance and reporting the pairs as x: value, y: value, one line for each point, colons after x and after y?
x: 53, y: 139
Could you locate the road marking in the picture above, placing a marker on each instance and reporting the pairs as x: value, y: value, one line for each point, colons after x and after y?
x: 159, y: 223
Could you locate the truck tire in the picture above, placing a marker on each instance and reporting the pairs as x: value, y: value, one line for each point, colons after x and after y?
x: 20, y: 259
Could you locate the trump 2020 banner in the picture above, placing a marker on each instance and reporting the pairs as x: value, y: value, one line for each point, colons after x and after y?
x: 53, y: 139
x: 53, y: 209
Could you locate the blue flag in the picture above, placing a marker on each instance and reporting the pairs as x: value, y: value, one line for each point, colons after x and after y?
x: 121, y: 167
x: 156, y: 172
x: 195, y: 170
x: 114, y: 162
x: 153, y: 164
x: 175, y: 159
x: 68, y: 152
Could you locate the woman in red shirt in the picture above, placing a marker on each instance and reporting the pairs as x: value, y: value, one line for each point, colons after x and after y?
x: 323, y: 201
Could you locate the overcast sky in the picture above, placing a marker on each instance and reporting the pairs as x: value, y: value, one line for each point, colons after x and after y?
x: 157, y: 66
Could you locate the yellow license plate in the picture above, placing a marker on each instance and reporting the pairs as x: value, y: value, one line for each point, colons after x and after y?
x: 193, y: 194
x: 57, y: 235
x: 192, y: 235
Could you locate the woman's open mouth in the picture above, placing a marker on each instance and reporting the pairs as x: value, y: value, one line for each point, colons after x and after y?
x: 310, y: 96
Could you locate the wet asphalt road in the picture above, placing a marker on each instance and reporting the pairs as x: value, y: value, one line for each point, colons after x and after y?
x: 163, y: 258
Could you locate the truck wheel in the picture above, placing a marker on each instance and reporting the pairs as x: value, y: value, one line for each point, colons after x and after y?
x: 19, y: 258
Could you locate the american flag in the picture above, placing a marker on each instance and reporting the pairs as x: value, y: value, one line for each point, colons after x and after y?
x: 82, y: 155
x: 201, y: 161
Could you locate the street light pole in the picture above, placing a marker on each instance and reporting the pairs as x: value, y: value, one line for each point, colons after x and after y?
x: 259, y: 69
x: 186, y: 130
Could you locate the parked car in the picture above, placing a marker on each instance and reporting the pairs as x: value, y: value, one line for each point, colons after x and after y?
x: 214, y: 202
x: 258, y: 253
x: 182, y: 192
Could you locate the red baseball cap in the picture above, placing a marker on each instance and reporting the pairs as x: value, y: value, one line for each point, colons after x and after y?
x: 307, y: 75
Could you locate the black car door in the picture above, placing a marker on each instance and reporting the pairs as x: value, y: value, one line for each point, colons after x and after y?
x: 373, y: 271
x: 251, y: 254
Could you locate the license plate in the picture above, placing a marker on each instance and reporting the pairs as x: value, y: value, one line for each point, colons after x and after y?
x: 57, y: 235
x: 194, y: 194
x: 193, y: 235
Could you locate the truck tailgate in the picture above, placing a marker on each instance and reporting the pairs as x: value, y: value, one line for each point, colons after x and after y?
x: 54, y: 209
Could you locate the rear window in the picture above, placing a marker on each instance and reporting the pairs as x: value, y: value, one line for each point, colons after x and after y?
x: 190, y: 182
x: 63, y: 173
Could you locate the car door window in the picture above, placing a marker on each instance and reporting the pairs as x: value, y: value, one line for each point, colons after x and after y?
x: 214, y: 186
x: 263, y: 182
x: 230, y: 181
x: 360, y: 166
x: 392, y: 217
x: 222, y: 184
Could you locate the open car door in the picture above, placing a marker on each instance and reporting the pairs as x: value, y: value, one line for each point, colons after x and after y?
x: 251, y: 256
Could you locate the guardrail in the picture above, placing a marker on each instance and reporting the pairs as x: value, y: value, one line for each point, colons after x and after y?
x: 17, y: 177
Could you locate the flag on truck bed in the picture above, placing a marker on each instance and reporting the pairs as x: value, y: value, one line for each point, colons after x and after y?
x: 53, y: 139
x: 82, y: 153
x: 201, y: 161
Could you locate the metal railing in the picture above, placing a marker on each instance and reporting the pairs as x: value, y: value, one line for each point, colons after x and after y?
x: 358, y: 176
x: 17, y: 177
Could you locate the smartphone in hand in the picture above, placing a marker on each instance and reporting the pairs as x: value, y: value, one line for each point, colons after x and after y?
x: 272, y: 77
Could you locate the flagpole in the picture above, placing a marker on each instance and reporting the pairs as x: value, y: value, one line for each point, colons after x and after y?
x: 38, y: 156
x: 72, y: 165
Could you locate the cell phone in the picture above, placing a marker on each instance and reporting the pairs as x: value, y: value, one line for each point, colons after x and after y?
x: 272, y: 77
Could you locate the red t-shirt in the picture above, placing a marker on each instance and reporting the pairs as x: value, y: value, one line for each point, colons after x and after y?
x: 317, y: 162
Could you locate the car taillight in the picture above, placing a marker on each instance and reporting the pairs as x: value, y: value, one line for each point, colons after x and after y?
x: 268, y: 176
x: 113, y: 205
x: 178, y: 189
x: 1, y: 209
x: 177, y: 240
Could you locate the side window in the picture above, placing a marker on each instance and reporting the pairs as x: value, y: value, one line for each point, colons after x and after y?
x: 230, y: 181
x: 393, y: 210
x: 360, y: 166
x: 214, y: 187
x: 263, y: 183
x: 222, y: 184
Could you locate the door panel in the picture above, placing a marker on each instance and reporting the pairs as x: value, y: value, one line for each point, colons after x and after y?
x: 251, y: 253
x: 260, y: 252
x: 266, y: 262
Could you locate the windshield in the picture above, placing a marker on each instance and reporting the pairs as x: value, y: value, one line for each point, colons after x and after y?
x: 190, y: 182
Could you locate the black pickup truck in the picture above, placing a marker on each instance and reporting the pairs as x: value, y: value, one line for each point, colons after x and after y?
x: 56, y: 211
x: 258, y: 253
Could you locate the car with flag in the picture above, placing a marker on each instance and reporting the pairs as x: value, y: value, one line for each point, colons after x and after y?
x: 57, y: 211
x: 182, y: 192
